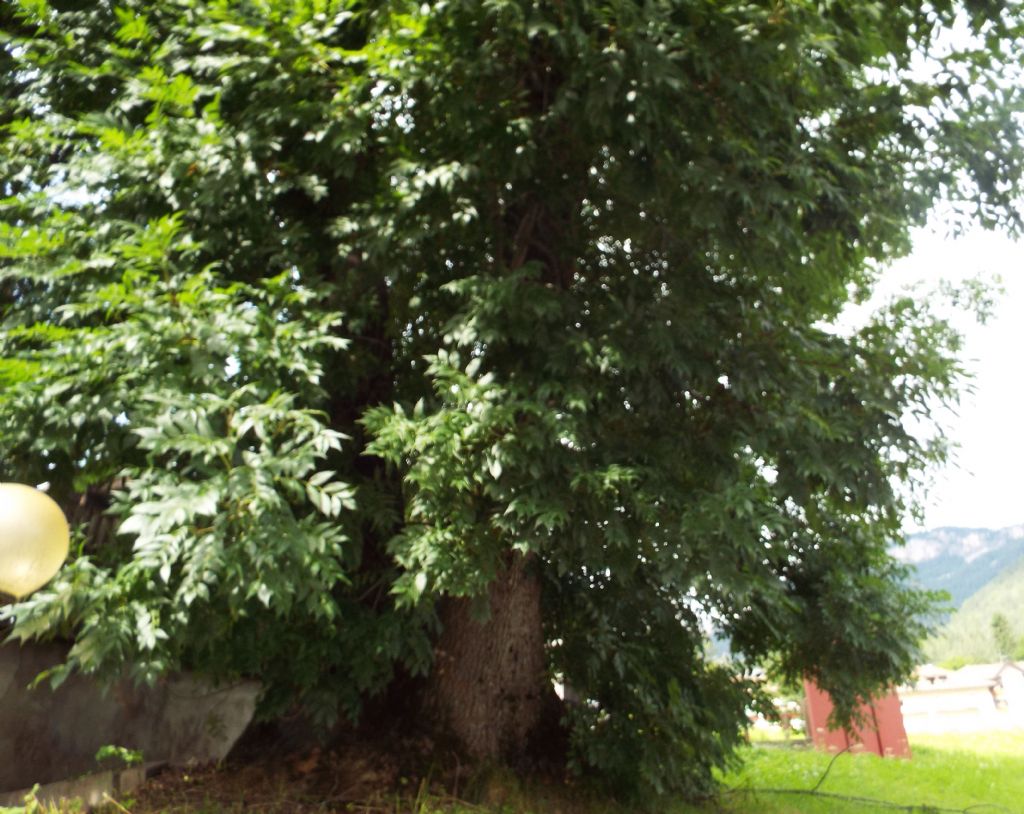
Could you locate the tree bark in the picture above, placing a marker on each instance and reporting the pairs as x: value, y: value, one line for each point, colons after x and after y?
x: 489, y: 688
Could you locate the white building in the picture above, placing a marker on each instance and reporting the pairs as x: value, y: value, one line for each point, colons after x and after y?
x: 974, y: 698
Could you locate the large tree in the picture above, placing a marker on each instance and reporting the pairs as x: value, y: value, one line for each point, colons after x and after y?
x: 437, y: 350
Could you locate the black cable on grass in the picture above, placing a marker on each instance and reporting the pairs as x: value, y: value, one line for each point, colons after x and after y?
x: 828, y: 768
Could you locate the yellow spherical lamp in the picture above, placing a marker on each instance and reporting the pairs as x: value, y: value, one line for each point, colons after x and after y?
x: 34, y: 539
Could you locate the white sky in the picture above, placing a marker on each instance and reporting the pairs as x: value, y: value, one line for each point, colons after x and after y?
x: 985, y: 488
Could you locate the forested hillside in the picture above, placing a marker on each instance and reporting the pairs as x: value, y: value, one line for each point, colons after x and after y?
x: 968, y: 636
x: 983, y: 571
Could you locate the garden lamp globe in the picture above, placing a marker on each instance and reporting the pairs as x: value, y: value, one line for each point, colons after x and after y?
x: 34, y: 539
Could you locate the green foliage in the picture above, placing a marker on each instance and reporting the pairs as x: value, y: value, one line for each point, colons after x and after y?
x: 34, y: 806
x: 345, y: 301
x: 121, y: 756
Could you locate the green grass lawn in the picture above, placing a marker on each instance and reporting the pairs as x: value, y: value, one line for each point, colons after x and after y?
x: 983, y: 773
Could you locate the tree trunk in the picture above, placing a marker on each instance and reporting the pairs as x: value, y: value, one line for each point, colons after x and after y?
x: 489, y: 687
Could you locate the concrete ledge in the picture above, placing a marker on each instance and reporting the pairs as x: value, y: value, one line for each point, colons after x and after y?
x: 92, y: 790
x: 49, y: 735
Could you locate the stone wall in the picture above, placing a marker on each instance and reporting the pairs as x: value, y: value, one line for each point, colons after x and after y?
x: 48, y: 735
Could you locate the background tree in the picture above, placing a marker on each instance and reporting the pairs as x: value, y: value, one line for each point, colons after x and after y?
x: 444, y: 348
x: 1006, y: 642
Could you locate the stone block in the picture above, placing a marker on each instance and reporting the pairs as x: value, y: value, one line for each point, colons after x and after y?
x: 52, y: 735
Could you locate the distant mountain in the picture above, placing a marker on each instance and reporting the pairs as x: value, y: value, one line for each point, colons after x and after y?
x: 967, y: 637
x: 962, y: 561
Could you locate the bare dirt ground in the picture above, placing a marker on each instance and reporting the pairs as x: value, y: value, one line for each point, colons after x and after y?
x: 384, y: 777
x: 262, y: 776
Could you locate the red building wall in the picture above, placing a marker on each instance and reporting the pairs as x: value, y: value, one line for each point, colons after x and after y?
x: 882, y: 731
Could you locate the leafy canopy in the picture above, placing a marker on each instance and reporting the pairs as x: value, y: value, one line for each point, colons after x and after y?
x: 348, y: 300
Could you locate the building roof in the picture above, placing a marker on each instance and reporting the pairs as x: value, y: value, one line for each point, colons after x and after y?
x: 929, y: 677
